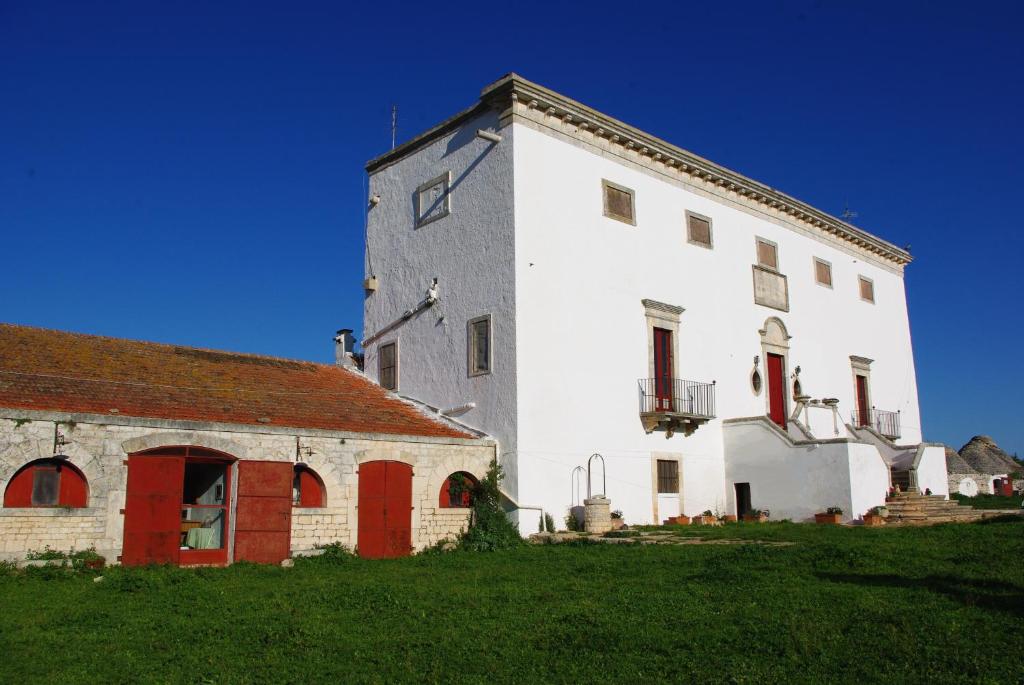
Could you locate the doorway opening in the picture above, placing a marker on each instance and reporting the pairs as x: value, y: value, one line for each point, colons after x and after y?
x: 743, y: 505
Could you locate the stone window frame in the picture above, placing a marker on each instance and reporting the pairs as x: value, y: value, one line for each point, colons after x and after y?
x: 757, y: 254
x: 380, y: 359
x: 446, y: 209
x: 710, y: 245
x: 861, y: 281
x: 605, y: 185
x: 831, y: 275
x: 666, y: 316
x: 776, y: 345
x: 861, y: 366
x: 471, y: 348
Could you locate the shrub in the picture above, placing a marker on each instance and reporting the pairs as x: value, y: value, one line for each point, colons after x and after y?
x: 572, y: 522
x: 549, y: 522
x: 489, y: 526
x: 834, y: 510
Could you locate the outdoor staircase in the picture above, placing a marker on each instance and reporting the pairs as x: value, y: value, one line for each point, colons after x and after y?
x: 914, y: 509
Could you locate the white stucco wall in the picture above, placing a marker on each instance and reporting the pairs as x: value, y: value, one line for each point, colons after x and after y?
x: 931, y: 470
x: 798, y: 481
x: 470, y: 252
x: 527, y: 242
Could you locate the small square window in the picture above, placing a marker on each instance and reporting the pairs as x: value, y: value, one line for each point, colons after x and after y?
x: 433, y: 199
x: 480, y: 346
x: 388, y: 366
x: 767, y: 254
x: 698, y: 229
x: 823, y: 272
x: 668, y: 476
x: 867, y: 289
x: 619, y: 202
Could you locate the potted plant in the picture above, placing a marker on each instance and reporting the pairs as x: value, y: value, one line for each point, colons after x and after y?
x: 617, y: 521
x: 730, y: 518
x: 706, y: 518
x: 831, y: 515
x: 680, y: 520
x: 756, y: 516
x: 875, y: 517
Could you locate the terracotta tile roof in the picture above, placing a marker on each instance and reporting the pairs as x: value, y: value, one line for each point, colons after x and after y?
x: 72, y: 372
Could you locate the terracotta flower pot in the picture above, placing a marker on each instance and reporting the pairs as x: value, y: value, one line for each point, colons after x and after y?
x: 705, y: 520
x: 617, y: 524
x: 873, y: 520
x: 730, y: 518
x: 755, y: 518
x: 828, y: 518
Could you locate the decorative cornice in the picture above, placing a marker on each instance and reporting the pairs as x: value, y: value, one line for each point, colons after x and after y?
x: 513, y: 96
x: 860, y: 361
x: 662, y: 307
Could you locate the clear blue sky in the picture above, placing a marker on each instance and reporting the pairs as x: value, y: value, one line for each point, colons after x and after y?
x: 196, y: 175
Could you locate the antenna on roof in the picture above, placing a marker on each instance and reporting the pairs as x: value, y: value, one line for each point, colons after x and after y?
x: 848, y: 213
x: 394, y: 124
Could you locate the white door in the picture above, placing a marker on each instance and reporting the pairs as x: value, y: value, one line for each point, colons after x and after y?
x: 668, y: 506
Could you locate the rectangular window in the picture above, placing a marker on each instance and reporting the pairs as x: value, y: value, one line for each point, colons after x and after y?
x: 433, y: 199
x: 668, y: 476
x: 698, y: 229
x: 618, y: 202
x: 867, y: 289
x: 388, y: 366
x: 767, y: 254
x: 45, y: 486
x: 822, y: 272
x: 480, y: 345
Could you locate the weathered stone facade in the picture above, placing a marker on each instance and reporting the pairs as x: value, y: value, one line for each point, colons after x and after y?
x: 99, y: 446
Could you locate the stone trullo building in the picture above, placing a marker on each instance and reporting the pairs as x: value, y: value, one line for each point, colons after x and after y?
x: 981, y: 467
x: 167, y: 454
x: 571, y: 285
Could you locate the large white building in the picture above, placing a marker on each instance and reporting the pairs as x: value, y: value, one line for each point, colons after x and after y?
x: 594, y: 289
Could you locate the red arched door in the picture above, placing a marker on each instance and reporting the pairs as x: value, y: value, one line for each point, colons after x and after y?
x: 385, y: 509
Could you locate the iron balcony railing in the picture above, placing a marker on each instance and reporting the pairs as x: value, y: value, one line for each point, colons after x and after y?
x: 677, y: 396
x: 886, y: 423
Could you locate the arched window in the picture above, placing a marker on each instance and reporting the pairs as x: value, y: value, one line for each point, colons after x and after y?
x: 47, y: 483
x: 457, y: 490
x: 307, y: 488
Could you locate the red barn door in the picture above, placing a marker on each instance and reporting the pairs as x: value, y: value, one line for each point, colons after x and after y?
x: 152, y: 512
x: 776, y: 389
x: 385, y: 509
x: 263, y: 522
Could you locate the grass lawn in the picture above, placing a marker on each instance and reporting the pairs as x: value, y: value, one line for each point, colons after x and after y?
x: 990, y: 501
x: 847, y: 605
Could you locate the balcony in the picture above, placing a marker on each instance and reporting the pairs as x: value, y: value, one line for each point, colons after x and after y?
x: 672, y: 404
x: 885, y: 423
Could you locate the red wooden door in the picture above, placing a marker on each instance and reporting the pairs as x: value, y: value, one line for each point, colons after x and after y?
x: 263, y: 521
x: 864, y: 415
x: 385, y: 509
x: 663, y: 369
x: 776, y: 389
x: 152, y: 511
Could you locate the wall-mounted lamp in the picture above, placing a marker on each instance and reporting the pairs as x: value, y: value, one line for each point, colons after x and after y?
x: 374, y: 200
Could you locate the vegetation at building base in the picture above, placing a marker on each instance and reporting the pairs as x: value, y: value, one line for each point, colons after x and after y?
x: 489, y: 526
x: 943, y: 604
x: 990, y: 501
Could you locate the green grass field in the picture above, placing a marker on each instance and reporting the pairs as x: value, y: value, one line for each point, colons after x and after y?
x: 841, y: 605
x: 990, y: 501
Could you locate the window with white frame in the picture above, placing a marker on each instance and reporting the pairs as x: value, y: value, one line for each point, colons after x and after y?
x: 619, y: 202
x: 698, y: 229
x: 479, y: 347
x: 822, y: 272
x: 867, y: 289
x: 433, y: 199
x: 387, y: 366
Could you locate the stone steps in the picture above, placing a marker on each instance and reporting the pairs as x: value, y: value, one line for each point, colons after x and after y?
x: 913, y: 508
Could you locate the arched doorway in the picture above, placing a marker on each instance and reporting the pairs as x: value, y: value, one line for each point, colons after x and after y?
x: 775, y: 347
x: 385, y: 509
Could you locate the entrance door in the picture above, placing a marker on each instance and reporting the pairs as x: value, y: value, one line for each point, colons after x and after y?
x: 663, y: 369
x: 152, y: 510
x: 777, y: 389
x: 743, y: 505
x: 263, y: 527
x: 385, y: 509
x: 863, y: 413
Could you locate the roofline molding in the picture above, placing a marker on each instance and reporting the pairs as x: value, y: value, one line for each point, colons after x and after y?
x: 514, y: 97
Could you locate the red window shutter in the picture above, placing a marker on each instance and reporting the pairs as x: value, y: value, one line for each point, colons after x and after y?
x: 263, y: 522
x: 311, y: 492
x: 152, y: 513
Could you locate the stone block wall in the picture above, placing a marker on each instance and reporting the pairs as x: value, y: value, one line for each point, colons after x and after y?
x: 100, y: 445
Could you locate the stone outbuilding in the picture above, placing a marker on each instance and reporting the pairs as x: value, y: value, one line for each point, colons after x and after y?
x: 981, y: 467
x: 156, y: 453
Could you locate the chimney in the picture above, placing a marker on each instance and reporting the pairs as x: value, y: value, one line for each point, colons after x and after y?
x: 344, y: 343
